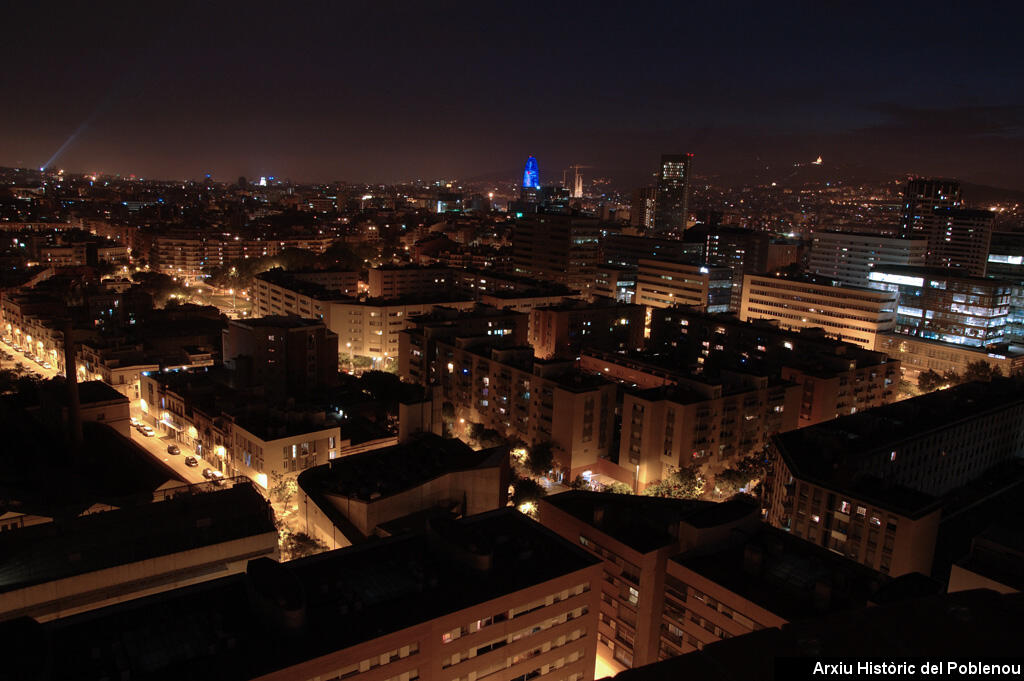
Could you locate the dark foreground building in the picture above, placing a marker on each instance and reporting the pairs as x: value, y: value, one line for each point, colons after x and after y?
x: 491, y: 595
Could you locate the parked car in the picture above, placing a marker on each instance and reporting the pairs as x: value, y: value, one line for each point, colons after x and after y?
x: 135, y: 422
x: 207, y: 473
x: 191, y: 461
x: 46, y: 365
x: 173, y: 449
x: 147, y: 431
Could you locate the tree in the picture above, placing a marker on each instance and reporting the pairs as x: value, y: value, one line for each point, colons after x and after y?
x: 579, y: 482
x: 684, y: 483
x: 952, y: 378
x: 448, y: 418
x: 616, y: 487
x: 730, y: 481
x: 981, y: 370
x: 929, y: 380
x: 526, y: 490
x: 282, y: 489
x: 541, y: 459
x: 299, y: 545
x: 158, y: 285
x: 475, y: 431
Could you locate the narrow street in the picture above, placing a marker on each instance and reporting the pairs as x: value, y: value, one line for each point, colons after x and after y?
x: 28, y: 365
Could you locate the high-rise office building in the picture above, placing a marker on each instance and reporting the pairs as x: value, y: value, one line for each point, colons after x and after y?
x: 531, y: 174
x: 673, y: 192
x: 849, y: 257
x: 641, y: 211
x: 957, y: 238
x: 937, y: 304
x: 921, y: 197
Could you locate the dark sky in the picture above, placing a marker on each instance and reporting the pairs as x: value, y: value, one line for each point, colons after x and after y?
x: 384, y: 91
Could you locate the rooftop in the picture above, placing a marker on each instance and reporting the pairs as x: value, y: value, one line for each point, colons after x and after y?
x: 839, y: 452
x: 938, y: 273
x: 390, y: 470
x: 816, y: 280
x: 785, y: 575
x: 277, y: 322
x: 644, y: 523
x: 278, y: 615
x: 280, y: 277
x: 43, y: 553
x: 976, y: 624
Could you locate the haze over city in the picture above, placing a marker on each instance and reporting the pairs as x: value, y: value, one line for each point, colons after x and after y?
x: 385, y: 91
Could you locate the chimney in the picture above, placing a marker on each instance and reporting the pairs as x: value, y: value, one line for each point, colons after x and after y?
x: 71, y: 376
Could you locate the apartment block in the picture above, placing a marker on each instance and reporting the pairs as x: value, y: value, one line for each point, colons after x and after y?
x: 557, y: 248
x: 852, y: 314
x: 416, y: 345
x: 278, y: 293
x: 635, y: 538
x: 284, y: 355
x: 837, y: 378
x: 870, y: 486
x: 392, y: 281
x: 463, y: 599
x: 506, y: 389
x: 710, y: 422
x: 562, y: 330
x: 371, y: 328
x: 127, y: 553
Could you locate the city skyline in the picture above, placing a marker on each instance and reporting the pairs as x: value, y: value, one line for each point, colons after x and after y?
x: 349, y: 94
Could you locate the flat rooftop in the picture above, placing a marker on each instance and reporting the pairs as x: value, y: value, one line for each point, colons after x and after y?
x: 940, y: 273
x: 43, y: 553
x: 279, y: 277
x: 647, y: 523
x: 839, y: 453
x: 785, y: 576
x: 390, y: 470
x: 977, y: 624
x: 232, y: 628
x: 277, y: 321
x: 817, y: 450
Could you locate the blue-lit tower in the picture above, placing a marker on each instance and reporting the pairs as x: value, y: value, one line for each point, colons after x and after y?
x: 531, y: 174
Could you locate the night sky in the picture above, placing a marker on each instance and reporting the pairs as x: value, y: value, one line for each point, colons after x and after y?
x: 393, y: 91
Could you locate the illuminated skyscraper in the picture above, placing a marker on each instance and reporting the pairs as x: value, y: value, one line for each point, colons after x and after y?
x: 959, y: 238
x: 531, y: 174
x: 673, y: 192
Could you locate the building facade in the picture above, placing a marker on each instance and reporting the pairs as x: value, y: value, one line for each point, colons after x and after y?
x: 849, y: 258
x: 854, y: 315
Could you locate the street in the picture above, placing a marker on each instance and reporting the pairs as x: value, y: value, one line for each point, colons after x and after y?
x: 157, y: 446
x: 28, y: 365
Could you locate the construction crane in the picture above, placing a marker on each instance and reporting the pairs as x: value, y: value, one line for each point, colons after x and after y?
x: 577, y: 179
